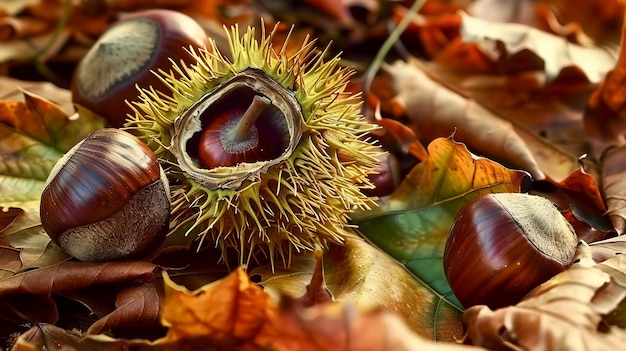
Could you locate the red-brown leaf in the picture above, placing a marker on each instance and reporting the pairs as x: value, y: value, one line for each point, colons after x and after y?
x: 136, y: 307
x: 75, y: 275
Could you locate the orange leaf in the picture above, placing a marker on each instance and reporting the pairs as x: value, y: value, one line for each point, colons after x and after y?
x: 342, y: 327
x: 231, y: 311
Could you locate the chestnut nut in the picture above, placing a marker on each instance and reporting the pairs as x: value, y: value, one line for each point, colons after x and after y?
x: 503, y: 245
x: 125, y: 56
x: 107, y: 199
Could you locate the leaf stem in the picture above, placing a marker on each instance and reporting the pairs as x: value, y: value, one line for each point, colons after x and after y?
x: 388, y: 44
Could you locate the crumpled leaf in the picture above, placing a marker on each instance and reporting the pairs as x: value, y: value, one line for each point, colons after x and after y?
x: 231, y: 311
x: 565, y: 313
x: 342, y: 327
x: 517, y: 47
x: 435, y: 111
x: 136, y: 306
x: 236, y: 314
x: 504, y: 67
x: 605, y: 116
x: 412, y: 225
x: 329, y: 327
x: 579, y: 193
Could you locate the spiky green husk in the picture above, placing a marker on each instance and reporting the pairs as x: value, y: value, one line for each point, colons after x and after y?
x: 302, y: 201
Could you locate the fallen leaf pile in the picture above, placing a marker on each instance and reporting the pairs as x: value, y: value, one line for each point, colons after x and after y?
x: 470, y: 97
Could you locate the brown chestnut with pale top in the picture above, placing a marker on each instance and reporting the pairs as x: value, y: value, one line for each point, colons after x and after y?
x: 125, y: 56
x: 503, y: 245
x: 107, y: 199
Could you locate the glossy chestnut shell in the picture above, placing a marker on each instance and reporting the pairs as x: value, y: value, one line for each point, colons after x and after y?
x: 107, y: 199
x: 503, y: 245
x: 124, y: 56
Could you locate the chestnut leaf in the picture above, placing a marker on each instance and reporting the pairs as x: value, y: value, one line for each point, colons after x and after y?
x: 8, y: 216
x: 27, y: 235
x: 9, y: 261
x: 412, y: 225
x: 579, y: 198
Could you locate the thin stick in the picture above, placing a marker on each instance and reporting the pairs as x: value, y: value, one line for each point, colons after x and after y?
x: 388, y: 44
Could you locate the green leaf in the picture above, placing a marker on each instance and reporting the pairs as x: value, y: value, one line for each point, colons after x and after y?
x: 412, y: 225
x: 367, y: 277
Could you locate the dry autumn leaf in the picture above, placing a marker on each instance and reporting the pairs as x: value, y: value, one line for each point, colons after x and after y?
x: 605, y: 129
x: 435, y: 111
x: 580, y: 198
x: 229, y: 312
x: 136, y: 307
x: 568, y: 312
x: 367, y: 278
x: 517, y: 47
x: 493, y: 68
x: 75, y: 275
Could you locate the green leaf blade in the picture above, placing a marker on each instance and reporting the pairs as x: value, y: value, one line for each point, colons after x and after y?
x: 413, y: 225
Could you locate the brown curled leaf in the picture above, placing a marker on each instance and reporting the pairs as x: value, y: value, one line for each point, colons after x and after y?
x: 436, y: 111
x: 569, y: 312
x: 136, y: 306
x: 75, y: 275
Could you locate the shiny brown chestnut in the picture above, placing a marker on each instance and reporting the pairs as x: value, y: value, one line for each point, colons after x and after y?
x: 503, y: 245
x: 236, y: 135
x: 107, y: 199
x: 125, y: 56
